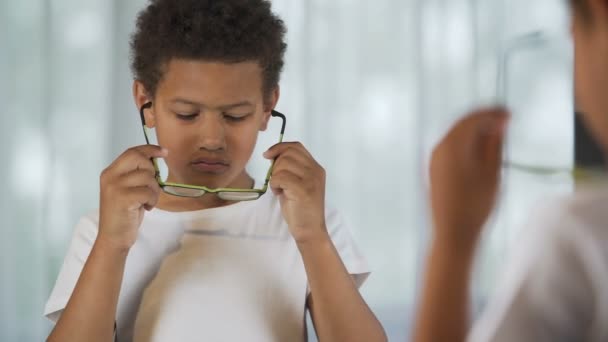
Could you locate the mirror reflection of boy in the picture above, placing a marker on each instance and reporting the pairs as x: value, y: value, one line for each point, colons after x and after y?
x: 556, y: 289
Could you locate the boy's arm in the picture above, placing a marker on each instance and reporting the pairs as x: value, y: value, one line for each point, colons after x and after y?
x: 90, y: 312
x: 444, y: 304
x: 128, y: 189
x: 465, y: 174
x: 338, y: 310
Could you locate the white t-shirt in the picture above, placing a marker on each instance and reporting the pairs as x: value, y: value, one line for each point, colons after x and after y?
x: 556, y: 289
x: 232, y: 273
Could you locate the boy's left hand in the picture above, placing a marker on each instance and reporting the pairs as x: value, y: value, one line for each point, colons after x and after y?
x: 299, y: 181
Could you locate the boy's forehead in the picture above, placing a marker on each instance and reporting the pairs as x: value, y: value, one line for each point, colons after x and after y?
x: 226, y: 106
x: 190, y: 78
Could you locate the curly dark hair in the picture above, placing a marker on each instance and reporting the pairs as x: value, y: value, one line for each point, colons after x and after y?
x: 229, y: 31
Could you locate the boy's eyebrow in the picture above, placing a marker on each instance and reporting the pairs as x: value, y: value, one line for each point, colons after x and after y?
x: 236, y: 105
x: 222, y: 108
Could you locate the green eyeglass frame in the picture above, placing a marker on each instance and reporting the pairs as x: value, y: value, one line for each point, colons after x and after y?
x: 193, y: 191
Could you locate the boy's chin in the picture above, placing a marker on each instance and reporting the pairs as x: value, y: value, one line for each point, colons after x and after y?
x: 211, y: 181
x: 214, y: 180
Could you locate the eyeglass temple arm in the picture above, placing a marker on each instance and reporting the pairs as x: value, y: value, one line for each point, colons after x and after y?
x: 279, y: 115
x: 147, y: 105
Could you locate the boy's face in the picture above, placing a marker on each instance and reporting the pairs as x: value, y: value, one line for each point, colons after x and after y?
x: 591, y: 67
x: 208, y: 115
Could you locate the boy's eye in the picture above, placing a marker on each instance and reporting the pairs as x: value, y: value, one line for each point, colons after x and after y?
x: 235, y: 118
x: 186, y: 117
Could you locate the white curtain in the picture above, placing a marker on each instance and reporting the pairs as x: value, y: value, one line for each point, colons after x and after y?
x: 369, y: 87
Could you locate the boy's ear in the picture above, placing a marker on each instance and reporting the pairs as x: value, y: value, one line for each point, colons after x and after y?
x: 269, y: 105
x: 141, y: 97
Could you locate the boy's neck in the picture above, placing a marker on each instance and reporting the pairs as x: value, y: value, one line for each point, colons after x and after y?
x: 172, y: 203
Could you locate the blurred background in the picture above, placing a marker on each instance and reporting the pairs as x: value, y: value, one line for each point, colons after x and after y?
x: 369, y: 88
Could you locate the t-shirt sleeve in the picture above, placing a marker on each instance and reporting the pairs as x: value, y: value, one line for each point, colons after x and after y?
x: 83, y: 238
x: 545, y: 293
x: 349, y: 252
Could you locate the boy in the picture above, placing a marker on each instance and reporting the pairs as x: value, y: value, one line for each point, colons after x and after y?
x: 151, y: 266
x: 557, y: 288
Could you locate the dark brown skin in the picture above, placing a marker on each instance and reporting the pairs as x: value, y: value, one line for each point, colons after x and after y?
x: 465, y: 173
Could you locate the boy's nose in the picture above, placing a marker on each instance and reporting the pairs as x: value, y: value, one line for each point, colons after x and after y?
x: 212, y: 133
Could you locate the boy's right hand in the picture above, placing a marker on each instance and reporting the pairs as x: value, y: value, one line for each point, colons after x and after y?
x: 465, y: 175
x: 128, y: 187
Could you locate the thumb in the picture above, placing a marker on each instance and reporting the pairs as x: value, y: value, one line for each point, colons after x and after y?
x: 492, y: 140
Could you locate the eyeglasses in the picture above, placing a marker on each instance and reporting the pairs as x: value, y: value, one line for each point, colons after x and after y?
x: 525, y: 42
x: 193, y: 191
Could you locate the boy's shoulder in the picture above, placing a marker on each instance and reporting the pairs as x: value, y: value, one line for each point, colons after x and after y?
x: 89, y: 221
x: 583, y: 213
x: 91, y: 217
x: 565, y: 232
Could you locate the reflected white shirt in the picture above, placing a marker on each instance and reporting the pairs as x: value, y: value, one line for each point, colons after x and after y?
x: 556, y: 288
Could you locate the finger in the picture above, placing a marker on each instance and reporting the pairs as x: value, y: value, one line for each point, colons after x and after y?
x: 140, y: 178
x: 469, y: 135
x: 490, y: 131
x: 299, y: 154
x: 286, y: 181
x: 291, y: 164
x: 280, y: 148
x: 480, y: 122
x: 485, y: 116
x: 138, y: 158
x: 138, y: 197
x: 152, y: 151
x: 495, y: 123
x: 493, y: 147
x: 130, y: 162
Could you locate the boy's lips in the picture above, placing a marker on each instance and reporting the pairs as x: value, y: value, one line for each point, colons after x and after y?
x: 210, y: 165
